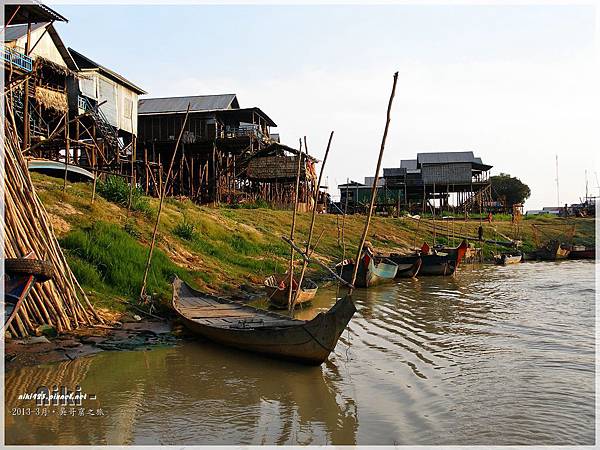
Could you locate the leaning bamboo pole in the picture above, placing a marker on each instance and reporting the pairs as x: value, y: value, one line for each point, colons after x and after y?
x: 293, y: 228
x: 59, y: 302
x: 312, y: 222
x: 375, y: 180
x: 163, y: 193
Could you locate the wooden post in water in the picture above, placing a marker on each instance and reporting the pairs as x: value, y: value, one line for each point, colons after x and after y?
x: 294, y: 225
x: 312, y: 222
x: 160, y: 204
x: 375, y: 180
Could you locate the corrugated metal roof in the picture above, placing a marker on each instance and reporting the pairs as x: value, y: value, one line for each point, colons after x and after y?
x: 198, y: 103
x: 86, y: 63
x: 33, y: 11
x: 445, y: 157
x: 410, y: 164
x: 14, y: 32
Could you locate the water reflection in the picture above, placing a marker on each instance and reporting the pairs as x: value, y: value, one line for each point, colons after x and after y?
x: 495, y: 355
x: 182, y: 395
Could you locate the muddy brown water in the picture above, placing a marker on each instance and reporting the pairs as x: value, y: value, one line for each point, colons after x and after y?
x: 496, y: 355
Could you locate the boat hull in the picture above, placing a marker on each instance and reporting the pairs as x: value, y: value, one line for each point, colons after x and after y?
x: 431, y: 265
x: 279, y: 296
x: 552, y: 251
x: 371, y: 274
x: 583, y: 254
x: 503, y: 260
x: 308, y: 342
x: 409, y: 270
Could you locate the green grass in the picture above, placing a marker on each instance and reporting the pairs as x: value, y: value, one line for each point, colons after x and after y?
x: 185, y: 230
x: 117, y: 190
x: 105, y: 255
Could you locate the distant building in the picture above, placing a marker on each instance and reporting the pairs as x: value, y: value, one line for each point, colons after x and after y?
x: 430, y: 181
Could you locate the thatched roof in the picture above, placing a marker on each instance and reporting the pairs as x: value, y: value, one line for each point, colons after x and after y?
x: 51, y: 98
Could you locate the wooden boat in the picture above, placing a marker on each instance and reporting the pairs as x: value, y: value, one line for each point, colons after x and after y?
x: 550, y: 251
x: 442, y: 263
x: 278, y: 291
x: 504, y: 259
x: 409, y: 270
x: 21, y: 275
x: 248, y: 328
x: 582, y: 252
x: 372, y: 270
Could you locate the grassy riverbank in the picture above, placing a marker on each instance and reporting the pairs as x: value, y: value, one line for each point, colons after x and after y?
x: 222, y: 249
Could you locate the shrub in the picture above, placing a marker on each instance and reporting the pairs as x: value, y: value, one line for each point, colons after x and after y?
x: 115, y: 189
x: 185, y: 230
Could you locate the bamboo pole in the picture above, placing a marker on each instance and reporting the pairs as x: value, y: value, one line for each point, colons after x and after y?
x: 375, y: 180
x: 316, y: 261
x: 56, y: 302
x: 293, y: 228
x: 312, y: 221
x: 160, y: 204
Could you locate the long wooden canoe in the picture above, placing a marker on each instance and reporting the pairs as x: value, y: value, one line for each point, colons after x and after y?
x: 278, y: 291
x: 248, y: 328
x: 443, y: 263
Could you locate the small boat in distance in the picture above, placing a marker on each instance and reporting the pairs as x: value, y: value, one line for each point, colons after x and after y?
x: 504, y: 259
x: 247, y: 328
x: 372, y: 270
x: 551, y: 251
x: 582, y: 252
x: 277, y: 288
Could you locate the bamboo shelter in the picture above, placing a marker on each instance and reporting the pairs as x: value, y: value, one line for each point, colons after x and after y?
x: 60, y: 301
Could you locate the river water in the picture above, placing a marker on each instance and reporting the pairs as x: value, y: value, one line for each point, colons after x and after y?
x: 493, y: 356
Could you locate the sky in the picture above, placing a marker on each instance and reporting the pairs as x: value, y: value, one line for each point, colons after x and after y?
x: 517, y: 85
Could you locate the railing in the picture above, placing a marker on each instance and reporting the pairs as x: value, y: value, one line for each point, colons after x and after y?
x: 17, y: 59
x: 242, y: 131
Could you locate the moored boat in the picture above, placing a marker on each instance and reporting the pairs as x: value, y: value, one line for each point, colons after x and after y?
x: 248, y: 328
x: 504, y: 259
x: 551, y: 251
x: 409, y: 270
x: 277, y: 288
x: 372, y: 270
x: 582, y: 252
x: 441, y: 263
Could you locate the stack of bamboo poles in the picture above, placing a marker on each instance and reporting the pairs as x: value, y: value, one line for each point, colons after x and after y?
x: 59, y: 302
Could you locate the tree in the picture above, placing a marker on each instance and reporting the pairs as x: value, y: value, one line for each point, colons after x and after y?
x: 509, y: 189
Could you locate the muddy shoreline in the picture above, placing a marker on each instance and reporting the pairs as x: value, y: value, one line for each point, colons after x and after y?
x: 126, y: 336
